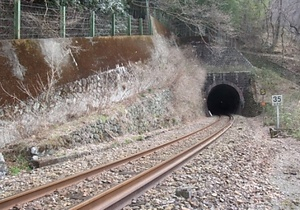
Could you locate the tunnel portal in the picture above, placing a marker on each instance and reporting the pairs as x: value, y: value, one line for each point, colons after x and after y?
x: 223, y: 99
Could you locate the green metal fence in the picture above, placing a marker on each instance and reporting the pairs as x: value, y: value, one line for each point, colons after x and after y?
x: 24, y: 21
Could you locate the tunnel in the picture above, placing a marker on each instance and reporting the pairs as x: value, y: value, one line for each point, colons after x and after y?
x: 223, y: 99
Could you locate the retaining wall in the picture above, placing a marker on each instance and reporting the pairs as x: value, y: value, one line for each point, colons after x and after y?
x: 30, y: 63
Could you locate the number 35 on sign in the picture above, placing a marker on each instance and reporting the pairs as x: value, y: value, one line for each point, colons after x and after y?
x: 277, y: 100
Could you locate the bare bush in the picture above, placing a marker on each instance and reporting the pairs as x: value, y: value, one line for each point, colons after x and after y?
x: 168, y: 68
x: 188, y: 86
x: 178, y: 69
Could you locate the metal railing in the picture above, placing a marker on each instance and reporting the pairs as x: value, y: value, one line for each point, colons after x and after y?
x: 19, y: 20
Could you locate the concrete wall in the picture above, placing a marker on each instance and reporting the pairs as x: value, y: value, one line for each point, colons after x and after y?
x: 30, y: 62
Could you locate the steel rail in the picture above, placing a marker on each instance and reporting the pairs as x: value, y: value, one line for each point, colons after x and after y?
x: 122, y: 194
x: 46, y: 189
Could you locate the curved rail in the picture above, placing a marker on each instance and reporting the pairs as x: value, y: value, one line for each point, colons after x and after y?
x: 43, y: 190
x: 120, y: 195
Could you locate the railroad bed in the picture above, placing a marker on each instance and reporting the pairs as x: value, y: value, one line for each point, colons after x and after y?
x: 100, y: 183
x: 230, y: 174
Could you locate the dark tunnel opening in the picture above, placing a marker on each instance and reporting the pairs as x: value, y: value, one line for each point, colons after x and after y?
x: 223, y: 100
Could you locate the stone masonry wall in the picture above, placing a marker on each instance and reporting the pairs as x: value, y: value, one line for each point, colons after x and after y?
x: 243, y: 83
x: 150, y: 112
x: 145, y: 112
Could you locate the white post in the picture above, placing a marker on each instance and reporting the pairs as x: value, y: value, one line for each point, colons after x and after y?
x: 277, y: 108
x: 277, y: 100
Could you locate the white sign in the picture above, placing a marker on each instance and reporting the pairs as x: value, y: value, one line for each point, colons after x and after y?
x: 277, y: 100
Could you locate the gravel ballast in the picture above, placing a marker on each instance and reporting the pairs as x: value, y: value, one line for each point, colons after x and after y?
x: 238, y: 171
x: 244, y: 169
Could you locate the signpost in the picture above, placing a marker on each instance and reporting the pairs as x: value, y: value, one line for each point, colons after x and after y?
x: 262, y: 91
x: 277, y: 101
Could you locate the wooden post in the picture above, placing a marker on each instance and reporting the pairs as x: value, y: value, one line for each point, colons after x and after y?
x: 17, y: 19
x: 129, y: 26
x: 92, y: 24
x: 63, y: 21
x: 141, y: 26
x: 113, y: 25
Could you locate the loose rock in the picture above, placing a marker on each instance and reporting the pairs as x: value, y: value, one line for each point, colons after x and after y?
x: 3, y: 167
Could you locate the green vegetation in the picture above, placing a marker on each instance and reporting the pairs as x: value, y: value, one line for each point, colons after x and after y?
x: 128, y: 141
x: 245, y: 11
x: 20, y: 164
x: 14, y: 170
x: 139, y: 138
x: 289, y: 111
x: 103, y: 118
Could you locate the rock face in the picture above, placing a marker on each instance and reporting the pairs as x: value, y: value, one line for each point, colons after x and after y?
x: 3, y: 167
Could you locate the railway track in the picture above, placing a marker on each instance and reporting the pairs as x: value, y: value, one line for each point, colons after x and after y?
x: 116, y: 195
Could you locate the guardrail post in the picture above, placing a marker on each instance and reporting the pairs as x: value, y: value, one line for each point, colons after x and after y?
x: 63, y: 21
x: 129, y: 25
x: 92, y: 24
x: 17, y: 19
x: 113, y: 25
x: 141, y: 26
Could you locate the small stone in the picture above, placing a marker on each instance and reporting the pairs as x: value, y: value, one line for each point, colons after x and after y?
x: 3, y: 167
x: 34, y: 150
x: 89, y: 179
x: 169, y: 207
x: 296, y: 202
x: 2, y: 158
x: 35, y: 158
x: 185, y: 193
x: 36, y: 106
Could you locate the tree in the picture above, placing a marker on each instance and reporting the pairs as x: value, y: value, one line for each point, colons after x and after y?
x: 199, y: 15
x: 105, y: 6
x: 276, y: 23
x: 242, y: 19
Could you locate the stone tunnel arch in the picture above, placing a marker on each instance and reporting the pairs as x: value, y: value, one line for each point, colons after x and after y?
x: 224, y: 98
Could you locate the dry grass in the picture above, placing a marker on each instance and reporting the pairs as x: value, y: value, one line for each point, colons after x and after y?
x: 178, y: 69
x: 289, y: 111
x: 169, y: 67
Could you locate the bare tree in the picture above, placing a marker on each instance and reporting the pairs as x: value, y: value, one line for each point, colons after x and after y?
x: 276, y: 25
x: 193, y: 16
